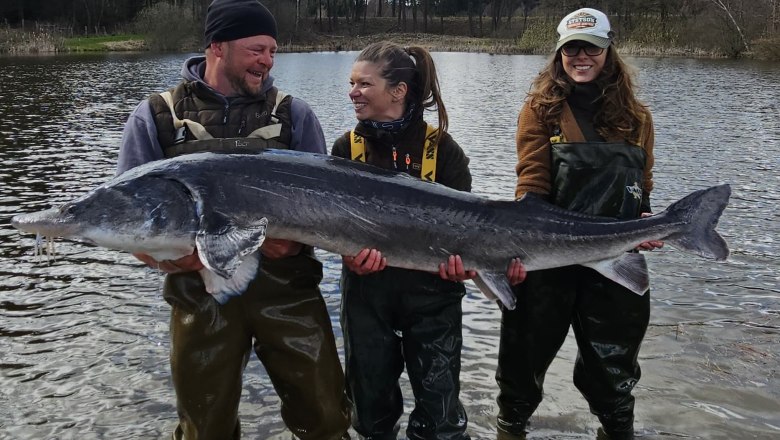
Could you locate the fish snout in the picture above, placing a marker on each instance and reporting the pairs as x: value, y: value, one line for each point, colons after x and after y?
x: 45, y: 222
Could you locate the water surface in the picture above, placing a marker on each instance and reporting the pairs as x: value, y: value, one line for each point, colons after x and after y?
x: 84, y: 338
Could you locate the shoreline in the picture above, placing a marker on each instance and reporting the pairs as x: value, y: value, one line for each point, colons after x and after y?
x: 432, y: 42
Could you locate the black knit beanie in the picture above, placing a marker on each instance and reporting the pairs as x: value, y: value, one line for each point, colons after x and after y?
x: 228, y: 20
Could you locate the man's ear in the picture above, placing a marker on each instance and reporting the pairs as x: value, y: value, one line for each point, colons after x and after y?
x: 217, y: 48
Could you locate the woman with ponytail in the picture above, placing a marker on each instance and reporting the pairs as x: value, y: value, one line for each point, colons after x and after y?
x: 394, y: 317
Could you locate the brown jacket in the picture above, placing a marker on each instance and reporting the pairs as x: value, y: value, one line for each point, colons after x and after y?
x: 533, y: 149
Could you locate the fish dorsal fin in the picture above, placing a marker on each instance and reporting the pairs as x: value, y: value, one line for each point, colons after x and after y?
x: 629, y: 270
x: 495, y: 285
x: 222, y: 288
x: 222, y: 244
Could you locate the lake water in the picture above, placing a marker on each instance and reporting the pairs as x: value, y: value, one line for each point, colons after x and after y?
x: 84, y: 338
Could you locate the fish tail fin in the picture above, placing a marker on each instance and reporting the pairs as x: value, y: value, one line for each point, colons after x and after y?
x: 700, y: 211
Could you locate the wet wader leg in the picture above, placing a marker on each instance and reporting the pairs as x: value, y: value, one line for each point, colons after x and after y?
x: 531, y: 336
x: 209, y: 350
x: 294, y: 340
x: 432, y: 341
x: 373, y: 359
x: 610, y: 324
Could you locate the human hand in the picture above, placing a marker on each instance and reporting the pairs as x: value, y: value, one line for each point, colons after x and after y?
x: 516, y: 272
x: 190, y: 263
x: 274, y: 248
x: 652, y: 244
x: 453, y: 270
x: 366, y: 261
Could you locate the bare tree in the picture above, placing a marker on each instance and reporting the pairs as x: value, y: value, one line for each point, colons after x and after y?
x: 729, y: 10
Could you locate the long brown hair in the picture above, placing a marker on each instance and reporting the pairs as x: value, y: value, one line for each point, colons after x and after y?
x: 414, y: 66
x: 621, y: 113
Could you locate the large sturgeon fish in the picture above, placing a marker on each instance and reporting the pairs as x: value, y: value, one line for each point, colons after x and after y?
x: 224, y: 205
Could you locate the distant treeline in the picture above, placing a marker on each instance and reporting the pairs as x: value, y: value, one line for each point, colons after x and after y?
x: 725, y: 27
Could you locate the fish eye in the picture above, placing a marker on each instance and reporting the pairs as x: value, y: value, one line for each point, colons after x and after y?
x: 68, y: 208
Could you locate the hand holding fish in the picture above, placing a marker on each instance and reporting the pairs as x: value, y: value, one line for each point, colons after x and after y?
x: 366, y: 261
x: 516, y: 272
x: 190, y: 263
x: 453, y: 270
x: 649, y: 245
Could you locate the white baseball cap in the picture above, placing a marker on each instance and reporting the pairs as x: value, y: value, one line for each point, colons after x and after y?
x: 585, y: 24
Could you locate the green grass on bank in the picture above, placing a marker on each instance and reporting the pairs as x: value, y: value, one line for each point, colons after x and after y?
x: 98, y: 43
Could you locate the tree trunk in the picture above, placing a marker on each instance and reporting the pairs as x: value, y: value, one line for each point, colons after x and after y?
x: 425, y: 16
x: 414, y: 16
x: 726, y: 7
x: 297, y: 14
x: 365, y: 12
x: 471, y: 19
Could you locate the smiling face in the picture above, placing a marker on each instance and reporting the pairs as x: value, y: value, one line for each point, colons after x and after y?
x: 373, y: 98
x: 582, y: 68
x: 247, y: 62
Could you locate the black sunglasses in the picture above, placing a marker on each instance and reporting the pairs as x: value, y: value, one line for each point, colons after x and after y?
x: 572, y: 50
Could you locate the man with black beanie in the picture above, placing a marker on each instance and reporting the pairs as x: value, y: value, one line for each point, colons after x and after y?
x: 229, y: 93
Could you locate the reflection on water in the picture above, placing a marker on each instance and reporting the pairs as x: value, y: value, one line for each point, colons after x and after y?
x: 84, y: 337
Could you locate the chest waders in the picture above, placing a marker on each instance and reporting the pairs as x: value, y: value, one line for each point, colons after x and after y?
x: 608, y: 321
x: 281, y: 315
x: 604, y: 179
x: 259, y: 139
x: 401, y: 318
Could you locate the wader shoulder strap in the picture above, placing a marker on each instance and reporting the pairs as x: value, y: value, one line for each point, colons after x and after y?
x: 430, y: 151
x: 357, y: 147
x: 195, y: 128
x: 640, y: 141
x: 429, y: 154
x: 273, y: 130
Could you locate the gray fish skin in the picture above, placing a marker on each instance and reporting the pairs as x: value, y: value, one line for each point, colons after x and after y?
x: 224, y: 205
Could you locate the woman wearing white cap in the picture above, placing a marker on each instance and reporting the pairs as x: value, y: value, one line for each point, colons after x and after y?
x: 585, y: 143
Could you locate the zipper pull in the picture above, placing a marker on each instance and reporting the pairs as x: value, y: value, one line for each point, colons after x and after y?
x: 395, y: 158
x: 225, y: 113
x: 242, y: 126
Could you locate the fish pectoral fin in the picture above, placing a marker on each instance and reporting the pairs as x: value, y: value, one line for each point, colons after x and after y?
x: 495, y: 285
x: 629, y: 270
x: 222, y: 245
x: 222, y: 289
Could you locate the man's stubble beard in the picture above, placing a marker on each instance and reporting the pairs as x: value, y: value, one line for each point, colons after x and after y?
x: 238, y: 81
x: 240, y: 84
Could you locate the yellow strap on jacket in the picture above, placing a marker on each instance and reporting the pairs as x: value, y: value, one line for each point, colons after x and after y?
x: 430, y: 150
x: 357, y: 146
